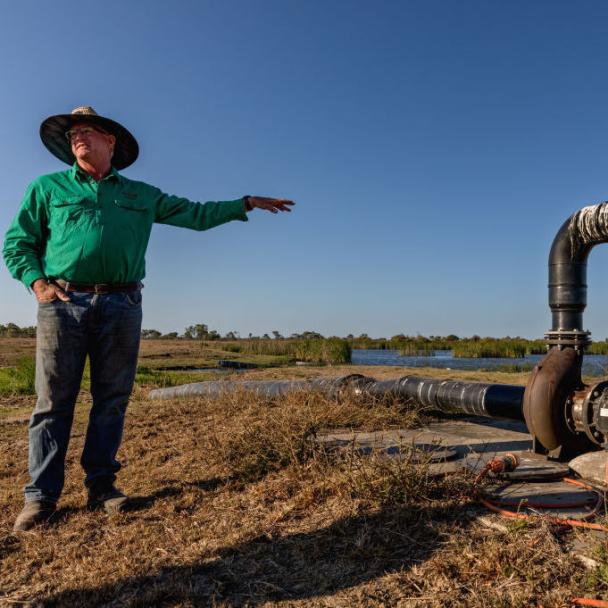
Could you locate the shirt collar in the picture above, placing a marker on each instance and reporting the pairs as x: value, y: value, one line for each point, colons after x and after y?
x: 77, y: 173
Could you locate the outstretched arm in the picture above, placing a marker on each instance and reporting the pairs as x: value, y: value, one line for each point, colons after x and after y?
x: 179, y: 211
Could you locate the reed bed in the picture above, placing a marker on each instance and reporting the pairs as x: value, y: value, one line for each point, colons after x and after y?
x: 475, y: 348
x: 490, y: 348
x: 312, y: 350
x: 417, y: 348
x: 598, y: 348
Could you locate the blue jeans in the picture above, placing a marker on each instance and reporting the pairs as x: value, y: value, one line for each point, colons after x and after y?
x: 107, y: 328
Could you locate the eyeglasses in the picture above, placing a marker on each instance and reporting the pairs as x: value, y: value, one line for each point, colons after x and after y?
x: 82, y: 131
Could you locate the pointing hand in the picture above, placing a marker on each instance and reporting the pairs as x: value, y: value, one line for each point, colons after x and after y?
x: 274, y: 205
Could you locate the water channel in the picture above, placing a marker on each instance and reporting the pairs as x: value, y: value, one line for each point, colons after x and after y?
x: 593, y: 365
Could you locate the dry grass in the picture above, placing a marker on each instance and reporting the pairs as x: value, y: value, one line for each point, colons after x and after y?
x: 235, y: 505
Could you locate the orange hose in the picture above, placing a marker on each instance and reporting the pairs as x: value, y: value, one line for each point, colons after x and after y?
x: 579, y: 483
x: 543, y: 505
x: 585, y: 601
x: 575, y: 523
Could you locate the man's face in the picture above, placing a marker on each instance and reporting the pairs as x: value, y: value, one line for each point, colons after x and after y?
x: 91, y: 145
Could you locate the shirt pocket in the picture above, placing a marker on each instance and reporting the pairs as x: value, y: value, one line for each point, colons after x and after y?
x: 131, y: 220
x: 69, y: 211
x: 130, y: 205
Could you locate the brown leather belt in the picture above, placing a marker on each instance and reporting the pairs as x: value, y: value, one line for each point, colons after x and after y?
x: 98, y: 288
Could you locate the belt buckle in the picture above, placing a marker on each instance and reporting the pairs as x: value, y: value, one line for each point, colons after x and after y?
x: 102, y: 288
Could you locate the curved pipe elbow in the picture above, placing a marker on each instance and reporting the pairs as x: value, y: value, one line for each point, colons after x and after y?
x: 567, y: 280
x: 568, y: 265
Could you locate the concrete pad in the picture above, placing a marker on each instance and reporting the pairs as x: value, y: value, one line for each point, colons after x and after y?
x: 592, y: 466
x: 463, y: 436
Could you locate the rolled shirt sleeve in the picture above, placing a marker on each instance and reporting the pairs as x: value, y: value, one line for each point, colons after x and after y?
x: 24, y: 240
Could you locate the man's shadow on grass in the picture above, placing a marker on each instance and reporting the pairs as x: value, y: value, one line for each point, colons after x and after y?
x: 138, y: 503
x: 350, y: 551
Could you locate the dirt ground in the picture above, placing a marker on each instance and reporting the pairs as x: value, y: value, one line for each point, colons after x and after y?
x: 235, y: 505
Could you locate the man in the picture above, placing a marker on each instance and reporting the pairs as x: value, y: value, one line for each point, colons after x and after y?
x: 79, y: 241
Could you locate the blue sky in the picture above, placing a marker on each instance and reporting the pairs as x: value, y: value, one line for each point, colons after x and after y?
x: 433, y: 148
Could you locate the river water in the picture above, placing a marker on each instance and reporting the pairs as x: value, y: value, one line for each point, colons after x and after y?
x: 593, y: 365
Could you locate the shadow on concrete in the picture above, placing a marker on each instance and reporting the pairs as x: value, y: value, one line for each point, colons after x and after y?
x: 305, y: 565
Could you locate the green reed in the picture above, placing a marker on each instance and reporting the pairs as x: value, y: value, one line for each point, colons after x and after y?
x: 311, y: 350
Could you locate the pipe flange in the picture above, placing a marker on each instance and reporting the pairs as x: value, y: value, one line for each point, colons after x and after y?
x: 595, y: 413
x: 572, y: 338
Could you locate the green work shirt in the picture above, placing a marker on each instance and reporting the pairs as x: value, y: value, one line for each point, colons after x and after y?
x: 72, y: 227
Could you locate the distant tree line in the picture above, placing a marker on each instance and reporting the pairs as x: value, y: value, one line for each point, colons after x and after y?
x: 408, y: 345
x: 10, y: 330
x: 201, y: 331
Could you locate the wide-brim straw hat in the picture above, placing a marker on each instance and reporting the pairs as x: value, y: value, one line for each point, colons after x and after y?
x: 53, y: 130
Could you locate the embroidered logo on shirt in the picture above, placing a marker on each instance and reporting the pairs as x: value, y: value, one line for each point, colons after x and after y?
x: 130, y: 195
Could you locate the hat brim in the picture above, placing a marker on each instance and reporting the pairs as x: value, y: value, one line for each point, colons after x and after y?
x: 53, y: 129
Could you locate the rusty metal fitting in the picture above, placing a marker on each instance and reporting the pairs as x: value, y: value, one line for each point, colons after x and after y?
x: 503, y: 464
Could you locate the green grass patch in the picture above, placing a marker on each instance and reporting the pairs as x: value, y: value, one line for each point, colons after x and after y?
x: 332, y: 351
x: 18, y: 379
x: 159, y: 378
x: 510, y: 368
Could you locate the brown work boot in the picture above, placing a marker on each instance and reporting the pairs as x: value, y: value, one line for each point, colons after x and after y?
x: 103, y: 495
x: 34, y: 512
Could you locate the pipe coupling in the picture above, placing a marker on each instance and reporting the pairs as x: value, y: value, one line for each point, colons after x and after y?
x: 568, y: 338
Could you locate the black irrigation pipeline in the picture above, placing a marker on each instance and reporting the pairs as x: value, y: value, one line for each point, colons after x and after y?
x: 448, y: 396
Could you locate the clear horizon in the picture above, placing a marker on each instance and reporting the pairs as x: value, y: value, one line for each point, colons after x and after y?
x: 433, y: 150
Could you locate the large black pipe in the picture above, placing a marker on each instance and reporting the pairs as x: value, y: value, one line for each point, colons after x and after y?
x: 567, y: 281
x: 451, y: 396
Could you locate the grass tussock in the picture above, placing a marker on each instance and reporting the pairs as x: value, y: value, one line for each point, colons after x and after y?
x: 268, y: 435
x: 398, y: 482
x: 235, y: 504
